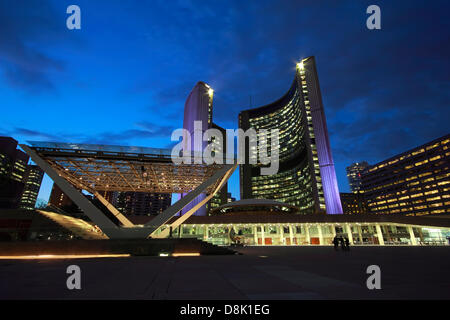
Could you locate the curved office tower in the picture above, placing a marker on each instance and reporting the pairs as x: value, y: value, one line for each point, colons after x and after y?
x: 306, y: 177
x: 198, y: 107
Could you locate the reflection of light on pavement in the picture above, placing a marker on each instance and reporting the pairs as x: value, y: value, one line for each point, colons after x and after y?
x: 185, y: 254
x: 64, y: 256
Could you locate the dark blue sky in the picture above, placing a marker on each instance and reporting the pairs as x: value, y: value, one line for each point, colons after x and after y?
x: 123, y: 78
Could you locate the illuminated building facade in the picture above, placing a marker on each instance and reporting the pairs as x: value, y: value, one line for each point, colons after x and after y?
x: 290, y: 229
x: 199, y: 107
x: 230, y: 198
x: 353, y: 203
x: 58, y: 199
x: 215, y: 202
x: 251, y: 229
x: 33, y: 179
x: 354, y: 172
x: 142, y: 203
x: 416, y: 182
x: 13, y: 168
x: 306, y: 176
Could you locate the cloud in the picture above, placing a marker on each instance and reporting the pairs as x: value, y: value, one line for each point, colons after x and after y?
x: 22, y: 29
x: 33, y: 134
x: 384, y: 91
x: 146, y: 130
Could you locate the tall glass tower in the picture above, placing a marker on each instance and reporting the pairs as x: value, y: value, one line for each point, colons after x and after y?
x: 306, y: 177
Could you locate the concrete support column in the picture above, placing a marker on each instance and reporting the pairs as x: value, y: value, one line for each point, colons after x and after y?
x: 308, y: 239
x: 380, y: 235
x: 281, y: 233
x: 319, y: 228
x: 349, y: 234
x: 291, y: 235
x: 421, y: 236
x: 255, y: 235
x: 263, y: 240
x: 360, y: 235
x: 206, y: 233
x: 180, y: 231
x: 412, y: 236
x: 388, y: 233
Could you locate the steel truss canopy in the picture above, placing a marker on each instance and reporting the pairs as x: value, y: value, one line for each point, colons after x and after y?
x: 96, y: 168
x: 121, y: 168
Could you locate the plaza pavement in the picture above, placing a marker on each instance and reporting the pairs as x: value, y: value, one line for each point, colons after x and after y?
x: 258, y: 273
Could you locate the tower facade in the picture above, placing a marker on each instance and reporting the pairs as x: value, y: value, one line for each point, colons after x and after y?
x: 33, y: 179
x: 198, y: 107
x: 354, y: 172
x: 13, y: 169
x: 306, y: 177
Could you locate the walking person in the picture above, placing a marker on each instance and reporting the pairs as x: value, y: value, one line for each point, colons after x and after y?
x: 347, y: 244
x: 336, y: 243
x: 342, y: 241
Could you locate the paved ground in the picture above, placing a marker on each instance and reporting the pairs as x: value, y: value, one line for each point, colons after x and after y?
x: 260, y: 273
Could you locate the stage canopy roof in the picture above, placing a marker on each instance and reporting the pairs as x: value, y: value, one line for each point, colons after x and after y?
x: 123, y: 168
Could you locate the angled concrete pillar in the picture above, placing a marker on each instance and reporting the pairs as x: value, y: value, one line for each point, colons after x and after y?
x: 96, y: 216
x: 224, y: 173
x: 113, y: 210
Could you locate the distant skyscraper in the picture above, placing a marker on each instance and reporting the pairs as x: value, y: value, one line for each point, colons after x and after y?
x: 306, y: 177
x: 13, y: 166
x: 142, y: 203
x: 60, y: 200
x: 33, y: 179
x: 354, y: 172
x: 353, y: 203
x: 230, y: 198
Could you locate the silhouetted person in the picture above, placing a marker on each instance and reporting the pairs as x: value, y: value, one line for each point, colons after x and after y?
x: 336, y: 243
x: 342, y: 242
x: 347, y: 244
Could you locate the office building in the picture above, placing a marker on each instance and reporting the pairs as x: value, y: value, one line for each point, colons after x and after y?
x: 353, y: 203
x: 416, y: 182
x: 354, y: 172
x: 33, y: 179
x: 141, y: 203
x: 13, y: 167
x: 230, y: 198
x: 58, y: 199
x: 306, y: 177
x: 199, y: 107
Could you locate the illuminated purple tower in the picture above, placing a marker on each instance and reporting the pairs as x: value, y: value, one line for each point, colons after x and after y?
x: 306, y: 176
x: 198, y: 107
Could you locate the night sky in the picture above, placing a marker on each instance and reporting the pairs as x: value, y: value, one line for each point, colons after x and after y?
x: 124, y: 77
